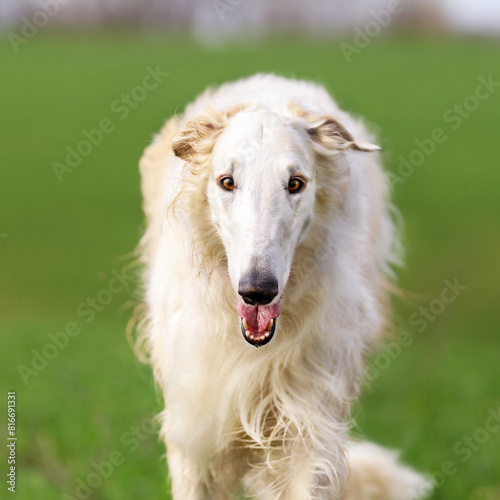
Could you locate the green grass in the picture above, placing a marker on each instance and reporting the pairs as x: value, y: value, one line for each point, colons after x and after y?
x: 64, y: 239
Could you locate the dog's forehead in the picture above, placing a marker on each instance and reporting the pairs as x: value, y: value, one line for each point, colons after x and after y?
x: 258, y: 121
x: 250, y: 136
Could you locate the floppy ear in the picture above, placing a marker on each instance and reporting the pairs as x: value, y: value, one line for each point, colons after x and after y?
x: 198, y: 134
x: 330, y: 133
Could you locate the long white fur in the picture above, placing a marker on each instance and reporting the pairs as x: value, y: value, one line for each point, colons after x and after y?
x: 274, y: 420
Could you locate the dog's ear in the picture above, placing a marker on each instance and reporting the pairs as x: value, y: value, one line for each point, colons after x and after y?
x: 198, y: 134
x: 330, y: 133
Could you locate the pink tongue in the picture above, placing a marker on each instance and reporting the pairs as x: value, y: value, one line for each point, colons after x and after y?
x: 258, y: 317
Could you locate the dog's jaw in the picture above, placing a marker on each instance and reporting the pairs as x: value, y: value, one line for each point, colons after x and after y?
x: 258, y: 323
x: 257, y: 339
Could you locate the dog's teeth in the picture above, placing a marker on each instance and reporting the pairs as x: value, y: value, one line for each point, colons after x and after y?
x: 270, y: 325
x: 245, y: 324
x: 262, y: 337
x: 266, y: 335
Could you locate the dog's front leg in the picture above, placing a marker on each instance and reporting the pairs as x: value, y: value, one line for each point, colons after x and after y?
x: 189, y: 482
x: 300, y: 475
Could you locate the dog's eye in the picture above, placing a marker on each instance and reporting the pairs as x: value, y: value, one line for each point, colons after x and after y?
x: 227, y: 183
x: 295, y: 185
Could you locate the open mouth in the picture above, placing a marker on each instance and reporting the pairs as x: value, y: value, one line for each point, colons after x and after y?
x: 258, y: 323
x: 258, y: 339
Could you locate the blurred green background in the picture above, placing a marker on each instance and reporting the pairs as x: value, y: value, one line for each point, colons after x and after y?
x: 61, y: 241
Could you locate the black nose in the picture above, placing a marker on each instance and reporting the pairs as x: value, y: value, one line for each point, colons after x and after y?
x: 258, y: 290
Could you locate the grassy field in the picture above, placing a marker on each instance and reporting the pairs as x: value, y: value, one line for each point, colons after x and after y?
x: 89, y: 407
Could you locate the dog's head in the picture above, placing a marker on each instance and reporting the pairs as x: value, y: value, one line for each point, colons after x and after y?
x: 257, y: 176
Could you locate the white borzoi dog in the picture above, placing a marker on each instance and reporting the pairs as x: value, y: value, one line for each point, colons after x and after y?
x: 267, y: 250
